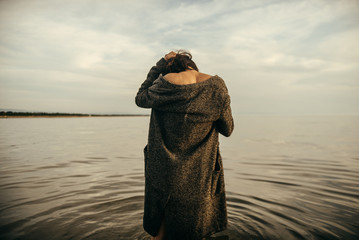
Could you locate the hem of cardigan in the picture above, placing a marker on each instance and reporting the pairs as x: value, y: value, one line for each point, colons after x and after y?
x: 215, y: 231
x: 148, y: 230
x: 204, y: 236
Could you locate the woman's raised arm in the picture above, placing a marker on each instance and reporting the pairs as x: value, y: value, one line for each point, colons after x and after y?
x: 143, y: 99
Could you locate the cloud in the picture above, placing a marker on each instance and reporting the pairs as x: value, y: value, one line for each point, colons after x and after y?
x: 84, y: 55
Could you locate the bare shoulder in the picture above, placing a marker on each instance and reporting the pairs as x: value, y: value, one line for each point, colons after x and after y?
x: 187, y: 77
x: 173, y: 77
x: 203, y: 77
x: 170, y: 75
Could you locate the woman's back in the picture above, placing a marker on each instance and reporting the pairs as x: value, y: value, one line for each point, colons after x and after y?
x: 184, y: 185
x: 186, y: 113
x: 187, y: 77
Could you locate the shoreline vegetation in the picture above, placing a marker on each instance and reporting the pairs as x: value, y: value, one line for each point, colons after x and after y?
x: 11, y: 114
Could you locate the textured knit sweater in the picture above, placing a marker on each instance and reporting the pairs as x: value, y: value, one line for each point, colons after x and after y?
x: 184, y: 181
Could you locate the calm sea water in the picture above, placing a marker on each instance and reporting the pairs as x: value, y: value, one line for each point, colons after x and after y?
x: 83, y: 178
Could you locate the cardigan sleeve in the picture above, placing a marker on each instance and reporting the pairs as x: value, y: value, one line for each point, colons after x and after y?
x: 143, y: 97
x: 225, y: 123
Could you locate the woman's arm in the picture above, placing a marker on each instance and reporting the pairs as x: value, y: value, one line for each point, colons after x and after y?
x: 225, y: 122
x: 143, y: 99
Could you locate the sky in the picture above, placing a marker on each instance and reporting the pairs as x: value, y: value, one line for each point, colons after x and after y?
x: 276, y: 57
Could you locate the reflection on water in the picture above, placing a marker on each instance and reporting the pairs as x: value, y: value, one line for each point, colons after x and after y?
x: 82, y: 178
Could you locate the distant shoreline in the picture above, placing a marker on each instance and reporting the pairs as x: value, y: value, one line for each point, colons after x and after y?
x: 59, y: 116
x: 62, y: 115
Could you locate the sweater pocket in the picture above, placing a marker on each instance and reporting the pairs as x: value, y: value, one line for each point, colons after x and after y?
x: 216, y: 184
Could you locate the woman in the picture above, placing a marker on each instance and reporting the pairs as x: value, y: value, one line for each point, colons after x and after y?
x: 184, y: 181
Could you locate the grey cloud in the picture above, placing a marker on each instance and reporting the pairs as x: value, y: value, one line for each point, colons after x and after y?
x: 94, y: 55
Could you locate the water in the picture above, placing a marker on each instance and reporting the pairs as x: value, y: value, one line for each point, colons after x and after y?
x: 82, y: 178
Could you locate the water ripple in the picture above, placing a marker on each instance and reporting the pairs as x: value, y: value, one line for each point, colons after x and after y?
x: 284, y: 184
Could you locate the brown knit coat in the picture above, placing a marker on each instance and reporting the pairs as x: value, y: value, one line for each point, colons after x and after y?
x: 184, y: 181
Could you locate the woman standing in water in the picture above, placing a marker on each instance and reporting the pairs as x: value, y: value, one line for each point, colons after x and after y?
x: 184, y: 186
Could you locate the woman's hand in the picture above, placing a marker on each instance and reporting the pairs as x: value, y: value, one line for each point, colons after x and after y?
x: 170, y: 55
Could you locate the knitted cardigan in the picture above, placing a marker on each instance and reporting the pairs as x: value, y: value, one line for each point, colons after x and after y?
x: 184, y: 179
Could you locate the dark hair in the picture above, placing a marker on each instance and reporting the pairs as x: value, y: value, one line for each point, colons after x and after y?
x: 181, y: 62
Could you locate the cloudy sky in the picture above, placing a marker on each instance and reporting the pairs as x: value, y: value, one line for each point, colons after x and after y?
x: 277, y: 57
